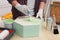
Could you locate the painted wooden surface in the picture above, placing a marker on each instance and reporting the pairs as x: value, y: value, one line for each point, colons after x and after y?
x: 45, y: 35
x: 55, y: 9
x: 27, y: 27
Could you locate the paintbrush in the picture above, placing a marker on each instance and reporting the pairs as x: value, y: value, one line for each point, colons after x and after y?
x: 55, y: 27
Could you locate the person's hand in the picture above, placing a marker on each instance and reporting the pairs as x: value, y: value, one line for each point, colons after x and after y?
x: 40, y: 13
x: 14, y: 2
x: 24, y: 9
x: 21, y: 8
x: 30, y: 12
x: 27, y: 11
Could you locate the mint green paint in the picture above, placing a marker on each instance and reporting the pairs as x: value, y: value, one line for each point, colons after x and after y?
x: 28, y: 30
x: 33, y: 20
x: 18, y: 29
x: 8, y: 20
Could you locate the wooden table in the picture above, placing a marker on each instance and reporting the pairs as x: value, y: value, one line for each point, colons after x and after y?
x: 44, y: 35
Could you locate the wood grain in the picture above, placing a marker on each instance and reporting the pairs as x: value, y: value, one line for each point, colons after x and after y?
x: 55, y: 9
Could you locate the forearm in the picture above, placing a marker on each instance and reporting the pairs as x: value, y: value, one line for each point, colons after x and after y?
x: 14, y: 3
x: 42, y: 5
x: 19, y: 7
x: 40, y: 11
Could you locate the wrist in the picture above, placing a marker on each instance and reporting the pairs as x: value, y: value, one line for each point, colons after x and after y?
x: 17, y: 5
x: 14, y: 3
x: 40, y: 13
x: 40, y: 10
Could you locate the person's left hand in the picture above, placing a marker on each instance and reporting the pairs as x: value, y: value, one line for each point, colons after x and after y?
x: 27, y: 11
x: 40, y: 13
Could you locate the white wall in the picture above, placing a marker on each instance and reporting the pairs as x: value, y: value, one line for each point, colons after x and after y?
x: 57, y: 0
x: 5, y: 7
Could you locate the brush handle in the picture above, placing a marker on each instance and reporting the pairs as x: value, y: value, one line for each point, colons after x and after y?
x: 54, y: 19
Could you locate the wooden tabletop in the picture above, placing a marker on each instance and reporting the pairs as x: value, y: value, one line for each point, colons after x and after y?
x: 44, y: 35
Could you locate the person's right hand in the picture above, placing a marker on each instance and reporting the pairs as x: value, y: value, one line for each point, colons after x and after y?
x: 14, y: 2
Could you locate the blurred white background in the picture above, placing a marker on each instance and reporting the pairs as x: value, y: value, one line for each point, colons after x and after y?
x: 5, y: 7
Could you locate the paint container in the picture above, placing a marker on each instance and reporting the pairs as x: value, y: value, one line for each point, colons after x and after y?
x: 1, y: 23
x: 4, y: 34
x: 8, y: 23
x: 49, y: 23
x: 11, y: 32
